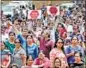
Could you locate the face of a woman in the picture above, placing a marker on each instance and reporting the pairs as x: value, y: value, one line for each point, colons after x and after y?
x: 12, y: 36
x: 77, y: 57
x: 59, y: 27
x: 2, y: 46
x: 59, y: 43
x: 25, y: 32
x: 29, y: 39
x: 75, y: 29
x: 57, y: 63
x: 17, y: 43
x: 74, y: 40
x: 41, y: 55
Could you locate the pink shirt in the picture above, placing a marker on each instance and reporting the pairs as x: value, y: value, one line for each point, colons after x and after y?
x: 45, y: 61
x: 57, y: 53
x: 46, y: 46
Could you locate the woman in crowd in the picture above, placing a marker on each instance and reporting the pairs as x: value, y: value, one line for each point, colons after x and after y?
x: 30, y: 61
x: 5, y: 57
x: 14, y: 66
x: 78, y: 61
x: 61, y: 30
x: 10, y: 44
x: 58, y: 51
x: 46, y: 44
x: 32, y: 48
x: 41, y: 61
x: 3, y: 33
x: 19, y: 55
x: 21, y: 37
x: 72, y: 49
x: 57, y: 63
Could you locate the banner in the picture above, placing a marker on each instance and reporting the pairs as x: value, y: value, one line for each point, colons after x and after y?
x: 34, y: 14
x: 53, y: 10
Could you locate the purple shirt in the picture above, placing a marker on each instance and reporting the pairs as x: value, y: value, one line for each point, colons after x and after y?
x: 46, y: 46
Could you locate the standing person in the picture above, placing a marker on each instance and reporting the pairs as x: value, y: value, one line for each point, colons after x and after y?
x: 5, y: 56
x: 52, y: 31
x: 76, y: 32
x: 19, y: 55
x: 22, y: 37
x: 46, y: 44
x: 31, y: 48
x: 58, y: 51
x: 10, y: 43
x: 72, y: 49
x: 43, y: 9
x: 4, y: 35
x: 61, y: 29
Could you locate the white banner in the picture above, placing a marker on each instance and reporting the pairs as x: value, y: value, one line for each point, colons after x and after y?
x: 34, y: 14
x: 53, y: 10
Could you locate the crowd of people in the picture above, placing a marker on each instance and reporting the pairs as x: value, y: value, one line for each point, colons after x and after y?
x: 49, y: 42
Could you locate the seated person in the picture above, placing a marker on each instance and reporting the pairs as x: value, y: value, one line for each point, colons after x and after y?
x: 78, y: 61
x: 41, y: 61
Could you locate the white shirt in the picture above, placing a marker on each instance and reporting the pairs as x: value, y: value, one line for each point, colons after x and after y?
x: 4, y: 37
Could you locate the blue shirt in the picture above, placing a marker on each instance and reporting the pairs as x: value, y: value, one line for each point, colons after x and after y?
x: 71, y: 49
x: 32, y: 50
x: 79, y: 36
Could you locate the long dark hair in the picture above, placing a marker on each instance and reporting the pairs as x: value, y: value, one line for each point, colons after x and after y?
x: 62, y: 46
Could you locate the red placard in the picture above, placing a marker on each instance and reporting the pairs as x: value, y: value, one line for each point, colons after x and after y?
x: 34, y: 14
x: 53, y: 10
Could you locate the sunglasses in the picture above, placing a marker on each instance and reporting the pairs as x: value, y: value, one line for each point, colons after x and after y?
x: 17, y: 42
x: 74, y: 39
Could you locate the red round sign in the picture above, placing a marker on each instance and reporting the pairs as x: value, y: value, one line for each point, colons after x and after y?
x: 34, y: 14
x: 53, y: 10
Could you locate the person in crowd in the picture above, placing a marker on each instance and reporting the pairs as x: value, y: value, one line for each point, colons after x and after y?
x: 68, y: 25
x: 67, y: 42
x: 61, y: 29
x: 10, y: 43
x: 58, y: 51
x: 30, y: 61
x: 76, y: 32
x: 57, y: 63
x: 41, y: 61
x: 72, y: 49
x: 3, y: 33
x: 5, y: 57
x: 52, y: 31
x: 46, y: 44
x: 19, y: 55
x: 31, y: 47
x: 14, y: 66
x: 78, y: 61
x: 56, y: 34
x: 22, y: 37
